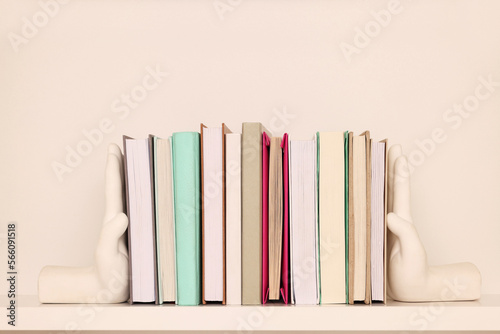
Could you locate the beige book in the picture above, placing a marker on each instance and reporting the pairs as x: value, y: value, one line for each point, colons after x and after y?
x: 164, y: 209
x: 275, y: 216
x: 368, y: 158
x: 359, y: 218
x: 332, y: 216
x: 251, y: 212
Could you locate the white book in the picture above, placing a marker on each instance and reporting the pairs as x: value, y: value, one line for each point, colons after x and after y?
x: 212, y: 171
x: 165, y: 227
x: 378, y: 220
x: 233, y: 218
x: 303, y: 223
x: 359, y: 181
x: 331, y: 185
x: 141, y: 220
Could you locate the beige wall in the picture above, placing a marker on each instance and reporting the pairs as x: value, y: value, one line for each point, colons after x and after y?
x: 263, y: 60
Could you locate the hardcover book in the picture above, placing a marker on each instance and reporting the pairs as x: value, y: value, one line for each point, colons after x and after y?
x: 251, y: 213
x: 187, y: 209
x: 331, y: 184
x: 140, y: 211
x: 213, y: 205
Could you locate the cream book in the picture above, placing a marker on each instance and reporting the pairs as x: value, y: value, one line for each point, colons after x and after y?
x: 359, y: 218
x: 233, y: 218
x: 331, y: 184
x: 164, y: 214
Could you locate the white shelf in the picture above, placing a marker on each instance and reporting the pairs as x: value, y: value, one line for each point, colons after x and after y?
x: 483, y: 315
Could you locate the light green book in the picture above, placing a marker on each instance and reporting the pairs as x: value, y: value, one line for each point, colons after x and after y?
x: 187, y: 208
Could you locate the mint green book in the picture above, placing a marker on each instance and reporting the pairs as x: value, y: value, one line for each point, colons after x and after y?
x: 187, y: 210
x: 317, y: 210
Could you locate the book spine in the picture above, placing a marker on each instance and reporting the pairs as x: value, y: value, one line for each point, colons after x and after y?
x: 251, y: 213
x: 187, y: 206
x: 233, y: 219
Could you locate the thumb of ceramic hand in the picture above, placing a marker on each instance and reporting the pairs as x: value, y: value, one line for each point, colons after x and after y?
x: 407, y: 261
x: 408, y: 245
x: 108, y: 245
x: 111, y: 253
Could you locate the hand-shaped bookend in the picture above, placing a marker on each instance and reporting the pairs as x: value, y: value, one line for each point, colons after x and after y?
x: 107, y: 281
x: 410, y: 278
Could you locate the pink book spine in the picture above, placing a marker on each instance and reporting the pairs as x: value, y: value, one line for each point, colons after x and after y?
x: 265, y: 217
x: 285, y: 252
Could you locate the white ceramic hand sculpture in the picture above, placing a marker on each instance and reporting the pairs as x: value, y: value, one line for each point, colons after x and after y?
x: 410, y: 278
x: 107, y: 280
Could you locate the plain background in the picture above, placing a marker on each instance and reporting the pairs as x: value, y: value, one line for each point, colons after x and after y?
x: 263, y: 58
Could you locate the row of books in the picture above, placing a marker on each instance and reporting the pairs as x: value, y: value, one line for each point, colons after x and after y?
x: 219, y: 217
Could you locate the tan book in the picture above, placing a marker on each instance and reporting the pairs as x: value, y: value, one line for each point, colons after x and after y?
x: 251, y: 212
x: 368, y: 279
x: 359, y: 218
x: 385, y: 215
x: 351, y: 221
x: 275, y: 216
x: 164, y: 218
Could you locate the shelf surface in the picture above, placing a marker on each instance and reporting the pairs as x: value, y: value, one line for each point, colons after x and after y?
x: 483, y: 314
